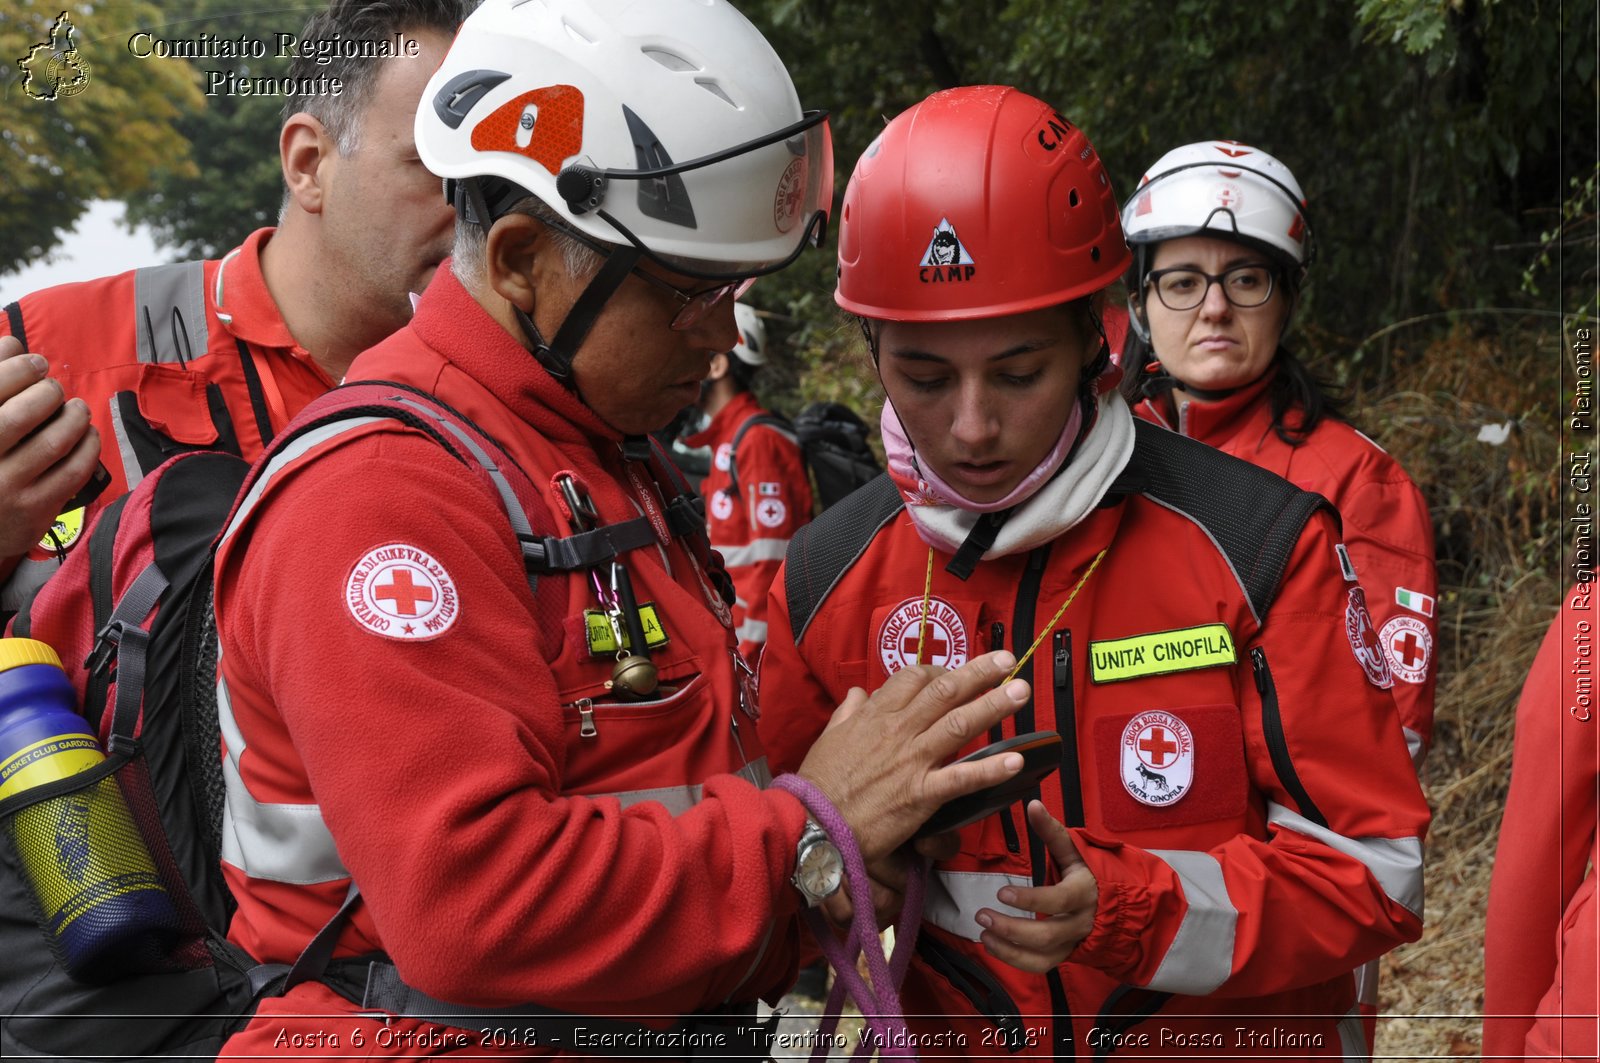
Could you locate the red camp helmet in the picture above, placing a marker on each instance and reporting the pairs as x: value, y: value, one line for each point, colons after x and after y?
x: 977, y: 202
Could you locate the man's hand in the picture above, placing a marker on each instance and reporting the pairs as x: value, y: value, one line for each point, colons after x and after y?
x: 1067, y: 907
x: 48, y: 450
x: 883, y: 760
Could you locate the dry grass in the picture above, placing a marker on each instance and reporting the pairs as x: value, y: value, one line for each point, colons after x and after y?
x: 1497, y: 520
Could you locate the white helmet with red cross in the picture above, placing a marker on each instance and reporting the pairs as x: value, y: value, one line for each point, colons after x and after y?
x: 1220, y: 188
x: 670, y: 125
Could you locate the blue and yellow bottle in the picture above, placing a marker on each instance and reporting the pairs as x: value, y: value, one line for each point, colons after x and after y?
x: 96, y: 883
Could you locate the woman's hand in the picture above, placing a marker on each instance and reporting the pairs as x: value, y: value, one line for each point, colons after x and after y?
x: 1065, y: 909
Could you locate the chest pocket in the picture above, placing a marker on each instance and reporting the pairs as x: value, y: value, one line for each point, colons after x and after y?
x: 1162, y: 768
x: 948, y: 635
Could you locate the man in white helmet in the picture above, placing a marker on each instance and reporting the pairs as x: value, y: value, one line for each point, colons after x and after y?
x: 757, y: 492
x: 517, y: 824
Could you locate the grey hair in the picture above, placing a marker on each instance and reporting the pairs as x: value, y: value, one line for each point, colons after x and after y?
x: 469, y: 255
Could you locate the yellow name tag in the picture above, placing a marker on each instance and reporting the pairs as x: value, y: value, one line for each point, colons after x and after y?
x: 65, y: 531
x: 1161, y: 652
x: 603, y: 640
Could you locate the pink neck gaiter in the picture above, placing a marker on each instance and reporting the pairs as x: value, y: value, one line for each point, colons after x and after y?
x: 920, y: 485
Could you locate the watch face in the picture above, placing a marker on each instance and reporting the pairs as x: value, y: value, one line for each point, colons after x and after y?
x: 821, y: 869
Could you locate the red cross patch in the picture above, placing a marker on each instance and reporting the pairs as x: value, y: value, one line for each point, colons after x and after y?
x: 1410, y: 646
x: 1364, y: 641
x: 401, y: 592
x: 771, y: 513
x: 944, y: 637
x: 1157, y: 758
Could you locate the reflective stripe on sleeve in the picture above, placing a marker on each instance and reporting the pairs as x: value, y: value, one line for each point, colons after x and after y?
x: 954, y: 898
x: 754, y: 552
x: 1395, y: 862
x: 271, y: 841
x: 1415, y: 747
x: 288, y: 454
x: 1200, y: 957
x: 1353, y: 1038
x: 679, y: 799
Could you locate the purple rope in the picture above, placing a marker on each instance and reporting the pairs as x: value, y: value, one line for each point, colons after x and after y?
x: 880, y: 1001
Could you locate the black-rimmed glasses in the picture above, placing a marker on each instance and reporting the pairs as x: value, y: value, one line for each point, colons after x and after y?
x: 1184, y: 288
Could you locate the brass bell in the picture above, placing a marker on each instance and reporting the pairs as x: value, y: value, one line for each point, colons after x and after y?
x: 634, y: 676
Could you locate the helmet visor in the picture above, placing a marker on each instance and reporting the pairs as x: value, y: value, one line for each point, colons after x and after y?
x: 746, y: 232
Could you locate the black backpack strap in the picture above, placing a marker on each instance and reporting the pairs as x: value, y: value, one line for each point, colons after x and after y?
x: 14, y: 320
x: 102, y: 542
x: 1254, y: 516
x: 318, y: 953
x: 771, y: 420
x: 823, y: 551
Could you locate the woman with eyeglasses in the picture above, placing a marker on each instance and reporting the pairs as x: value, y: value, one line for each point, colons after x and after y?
x: 1222, y: 245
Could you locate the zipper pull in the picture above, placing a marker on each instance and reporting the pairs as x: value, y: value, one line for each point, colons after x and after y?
x: 1063, y: 655
x: 997, y: 636
x: 586, y: 727
x: 1258, y: 665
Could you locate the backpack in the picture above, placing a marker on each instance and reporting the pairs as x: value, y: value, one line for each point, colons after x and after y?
x: 131, y: 618
x: 833, y: 442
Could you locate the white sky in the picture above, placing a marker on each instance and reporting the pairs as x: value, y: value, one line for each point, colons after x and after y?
x: 98, y: 247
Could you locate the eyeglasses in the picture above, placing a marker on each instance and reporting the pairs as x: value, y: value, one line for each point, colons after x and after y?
x: 694, y: 306
x: 1183, y: 288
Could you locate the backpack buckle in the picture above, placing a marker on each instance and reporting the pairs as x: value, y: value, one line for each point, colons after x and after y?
x: 106, y: 642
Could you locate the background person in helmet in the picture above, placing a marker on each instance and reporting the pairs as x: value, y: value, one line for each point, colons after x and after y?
x: 521, y: 831
x: 299, y: 301
x: 1222, y: 245
x: 750, y: 528
x: 1234, y: 823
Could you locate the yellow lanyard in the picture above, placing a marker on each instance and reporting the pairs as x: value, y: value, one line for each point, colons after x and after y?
x: 927, y: 597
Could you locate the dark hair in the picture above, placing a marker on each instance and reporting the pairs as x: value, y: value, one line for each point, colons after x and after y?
x: 357, y: 21
x: 1294, y: 392
x: 742, y: 373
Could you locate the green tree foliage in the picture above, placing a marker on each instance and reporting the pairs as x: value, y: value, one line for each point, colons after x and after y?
x: 237, y: 185
x: 102, y: 142
x: 1435, y: 139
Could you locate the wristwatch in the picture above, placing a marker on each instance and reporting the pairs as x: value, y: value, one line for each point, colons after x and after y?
x: 818, y: 867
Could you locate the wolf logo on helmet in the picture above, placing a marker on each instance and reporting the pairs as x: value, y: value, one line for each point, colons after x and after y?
x: 947, y: 258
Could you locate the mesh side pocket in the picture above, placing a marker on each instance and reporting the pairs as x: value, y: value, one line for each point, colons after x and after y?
x: 104, y: 887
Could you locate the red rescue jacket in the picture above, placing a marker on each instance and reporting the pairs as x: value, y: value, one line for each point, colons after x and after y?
x: 153, y: 389
x: 1541, y: 988
x: 1387, y: 531
x: 752, y: 530
x: 1239, y: 788
x: 518, y: 834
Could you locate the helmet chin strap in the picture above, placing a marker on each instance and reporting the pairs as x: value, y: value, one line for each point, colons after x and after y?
x: 556, y: 356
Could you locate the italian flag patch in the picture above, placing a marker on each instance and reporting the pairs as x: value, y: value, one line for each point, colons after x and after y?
x: 1415, y: 601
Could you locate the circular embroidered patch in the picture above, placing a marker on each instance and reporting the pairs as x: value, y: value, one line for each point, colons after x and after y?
x: 400, y: 592
x: 1364, y: 641
x: 724, y: 457
x: 790, y: 192
x: 1409, y: 645
x: 771, y: 512
x: 1157, y: 758
x: 721, y: 505
x: 64, y: 532
x: 944, y: 643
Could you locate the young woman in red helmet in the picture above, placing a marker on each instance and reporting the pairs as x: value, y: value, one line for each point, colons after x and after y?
x: 1233, y: 824
x: 1221, y: 246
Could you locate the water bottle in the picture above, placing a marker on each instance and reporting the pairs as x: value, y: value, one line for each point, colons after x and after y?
x: 104, y: 907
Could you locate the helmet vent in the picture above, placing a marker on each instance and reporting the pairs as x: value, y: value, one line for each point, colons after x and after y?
x: 1094, y: 253
x: 576, y: 34
x: 1072, y: 198
x: 669, y: 59
x: 716, y: 90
